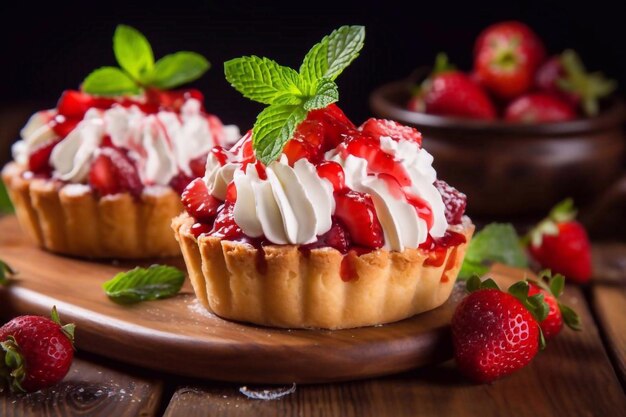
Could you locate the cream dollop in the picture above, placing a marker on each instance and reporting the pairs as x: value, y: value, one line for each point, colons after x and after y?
x: 162, y: 144
x: 293, y: 205
x: 402, y: 227
x: 36, y: 132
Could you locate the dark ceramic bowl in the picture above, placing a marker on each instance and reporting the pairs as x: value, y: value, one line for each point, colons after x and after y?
x: 513, y: 170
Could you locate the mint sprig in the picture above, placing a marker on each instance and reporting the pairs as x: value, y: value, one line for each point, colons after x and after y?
x: 144, y: 284
x: 138, y: 69
x: 496, y: 242
x: 290, y: 94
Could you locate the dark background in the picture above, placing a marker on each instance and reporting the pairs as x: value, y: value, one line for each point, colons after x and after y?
x: 48, y: 48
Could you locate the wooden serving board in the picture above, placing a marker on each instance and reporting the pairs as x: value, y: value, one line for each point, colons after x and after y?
x: 177, y: 335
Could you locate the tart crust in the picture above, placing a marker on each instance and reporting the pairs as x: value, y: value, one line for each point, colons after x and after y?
x: 298, y: 290
x: 71, y: 221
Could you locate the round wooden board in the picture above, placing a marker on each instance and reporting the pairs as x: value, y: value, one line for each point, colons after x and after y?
x: 177, y: 335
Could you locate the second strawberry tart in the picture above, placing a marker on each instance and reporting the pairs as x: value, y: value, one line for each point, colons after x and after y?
x: 100, y: 175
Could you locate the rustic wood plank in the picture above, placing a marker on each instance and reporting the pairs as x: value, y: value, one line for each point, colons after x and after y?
x: 179, y: 336
x: 572, y: 377
x: 609, y: 300
x: 88, y: 390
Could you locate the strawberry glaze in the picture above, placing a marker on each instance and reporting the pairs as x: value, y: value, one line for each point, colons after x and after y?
x: 355, y: 227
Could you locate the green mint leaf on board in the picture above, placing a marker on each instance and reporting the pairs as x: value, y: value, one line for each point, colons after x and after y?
x: 177, y: 69
x: 132, y: 51
x: 139, y: 71
x: 273, y: 128
x: 109, y: 81
x: 326, y: 93
x: 333, y: 54
x: 263, y: 80
x: 497, y: 242
x: 5, y: 202
x: 292, y: 94
x: 6, y: 272
x: 145, y: 284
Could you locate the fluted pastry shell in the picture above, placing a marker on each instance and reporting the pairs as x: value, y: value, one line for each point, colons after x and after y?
x: 72, y: 220
x: 300, y: 289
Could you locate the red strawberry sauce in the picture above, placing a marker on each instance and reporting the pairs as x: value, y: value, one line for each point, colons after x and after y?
x: 355, y: 230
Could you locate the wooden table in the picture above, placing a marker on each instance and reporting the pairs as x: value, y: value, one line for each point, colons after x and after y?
x: 579, y: 374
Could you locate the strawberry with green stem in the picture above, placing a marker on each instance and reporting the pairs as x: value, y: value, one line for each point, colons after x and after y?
x: 506, y: 56
x: 496, y: 333
x: 35, y: 352
x: 449, y: 92
x: 565, y: 76
x: 551, y: 286
x: 561, y: 244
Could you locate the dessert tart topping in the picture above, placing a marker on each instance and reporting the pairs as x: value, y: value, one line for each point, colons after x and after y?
x: 306, y: 175
x: 123, y: 131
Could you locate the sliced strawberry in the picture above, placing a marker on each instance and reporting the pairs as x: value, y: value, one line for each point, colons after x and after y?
x: 172, y: 99
x: 306, y: 142
x: 62, y: 125
x: 146, y: 107
x: 337, y: 237
x: 333, y: 172
x: 74, y: 104
x: 39, y: 160
x: 381, y: 127
x: 231, y: 192
x: 224, y: 226
x: 179, y: 182
x: 201, y: 205
x: 356, y: 211
x: 113, y: 172
x: 336, y: 125
x: 198, y: 166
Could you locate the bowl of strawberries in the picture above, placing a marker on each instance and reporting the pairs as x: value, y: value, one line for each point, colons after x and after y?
x: 521, y: 131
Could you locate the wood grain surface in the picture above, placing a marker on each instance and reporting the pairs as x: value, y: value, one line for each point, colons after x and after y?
x: 608, y: 292
x: 88, y: 390
x: 177, y: 335
x: 572, y: 377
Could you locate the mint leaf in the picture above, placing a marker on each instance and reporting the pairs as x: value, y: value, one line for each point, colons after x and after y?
x: 109, y: 81
x: 273, y: 128
x: 132, y: 51
x: 179, y: 68
x: 6, y: 272
x: 144, y: 284
x: 263, y: 80
x: 333, y: 54
x: 5, y: 202
x: 497, y: 242
x: 326, y: 93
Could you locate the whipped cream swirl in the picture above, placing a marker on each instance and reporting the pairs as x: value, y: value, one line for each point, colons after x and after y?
x: 161, y: 144
x: 294, y: 205
x: 402, y: 226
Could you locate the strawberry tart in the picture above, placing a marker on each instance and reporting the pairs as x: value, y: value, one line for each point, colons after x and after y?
x: 309, y: 221
x: 100, y: 175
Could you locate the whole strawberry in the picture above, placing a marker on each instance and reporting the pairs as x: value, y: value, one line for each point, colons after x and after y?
x: 35, y: 352
x: 496, y: 333
x: 448, y: 92
x: 561, y: 244
x: 539, y: 108
x: 552, y: 287
x: 506, y: 56
x: 565, y: 76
